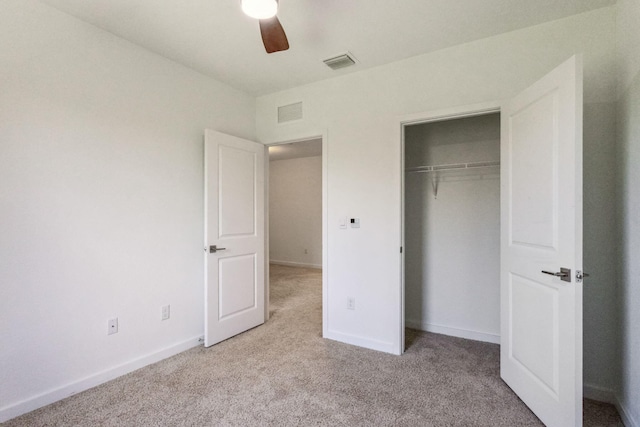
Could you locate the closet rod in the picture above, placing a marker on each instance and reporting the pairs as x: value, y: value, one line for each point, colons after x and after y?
x: 453, y: 166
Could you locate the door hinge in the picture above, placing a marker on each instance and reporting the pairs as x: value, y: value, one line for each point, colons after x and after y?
x: 400, y: 249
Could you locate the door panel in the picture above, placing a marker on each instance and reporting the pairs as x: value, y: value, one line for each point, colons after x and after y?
x: 535, y: 312
x: 533, y: 191
x: 238, y: 285
x: 541, y: 215
x: 237, y: 168
x: 234, y: 223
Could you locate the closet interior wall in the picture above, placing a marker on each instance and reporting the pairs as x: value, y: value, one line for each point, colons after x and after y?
x: 452, y: 227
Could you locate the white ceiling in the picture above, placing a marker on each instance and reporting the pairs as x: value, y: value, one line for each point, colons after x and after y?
x: 296, y: 150
x: 215, y: 38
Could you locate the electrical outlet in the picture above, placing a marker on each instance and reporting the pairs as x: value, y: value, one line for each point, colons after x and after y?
x: 351, y: 303
x: 112, y: 326
x: 166, y: 311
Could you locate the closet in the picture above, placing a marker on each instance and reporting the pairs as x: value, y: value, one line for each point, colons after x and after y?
x: 452, y: 227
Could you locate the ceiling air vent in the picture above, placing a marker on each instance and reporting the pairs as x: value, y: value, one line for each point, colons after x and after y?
x: 340, y: 61
x: 290, y: 113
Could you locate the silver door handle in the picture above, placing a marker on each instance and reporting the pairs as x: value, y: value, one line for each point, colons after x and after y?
x: 213, y: 249
x: 564, y: 274
x: 557, y: 274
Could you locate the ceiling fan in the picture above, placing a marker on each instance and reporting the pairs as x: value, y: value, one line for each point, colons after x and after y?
x: 273, y: 36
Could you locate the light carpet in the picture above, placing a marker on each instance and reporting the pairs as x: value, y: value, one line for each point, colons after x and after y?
x: 285, y: 374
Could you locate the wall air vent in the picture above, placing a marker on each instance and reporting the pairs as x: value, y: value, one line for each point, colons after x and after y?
x: 340, y: 61
x: 290, y: 113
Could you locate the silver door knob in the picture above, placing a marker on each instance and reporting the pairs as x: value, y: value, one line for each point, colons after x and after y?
x: 213, y: 249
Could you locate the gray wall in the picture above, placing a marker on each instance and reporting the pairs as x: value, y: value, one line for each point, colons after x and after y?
x: 628, y: 244
x: 599, y: 190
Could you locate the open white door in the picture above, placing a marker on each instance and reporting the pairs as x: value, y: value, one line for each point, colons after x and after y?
x: 234, y: 236
x: 541, y: 210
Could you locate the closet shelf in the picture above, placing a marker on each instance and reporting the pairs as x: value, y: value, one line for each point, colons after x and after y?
x: 453, y: 166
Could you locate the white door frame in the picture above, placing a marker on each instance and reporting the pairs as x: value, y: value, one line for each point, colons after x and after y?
x: 325, y: 230
x: 458, y: 112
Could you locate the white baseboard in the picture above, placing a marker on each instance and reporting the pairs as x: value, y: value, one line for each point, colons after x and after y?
x: 295, y: 264
x: 454, y: 332
x: 51, y: 396
x: 598, y: 393
x: 627, y: 418
x: 385, y: 347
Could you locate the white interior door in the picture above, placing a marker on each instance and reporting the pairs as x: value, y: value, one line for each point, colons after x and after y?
x: 234, y: 236
x: 541, y: 209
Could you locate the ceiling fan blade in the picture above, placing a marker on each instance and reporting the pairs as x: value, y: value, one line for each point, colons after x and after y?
x: 273, y: 36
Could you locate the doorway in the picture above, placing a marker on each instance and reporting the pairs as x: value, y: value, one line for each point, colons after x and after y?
x: 295, y: 194
x: 452, y: 226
